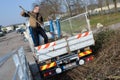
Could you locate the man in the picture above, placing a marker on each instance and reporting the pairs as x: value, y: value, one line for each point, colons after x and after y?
x: 36, y: 20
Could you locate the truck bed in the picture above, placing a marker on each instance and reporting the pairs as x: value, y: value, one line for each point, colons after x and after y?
x: 64, y: 46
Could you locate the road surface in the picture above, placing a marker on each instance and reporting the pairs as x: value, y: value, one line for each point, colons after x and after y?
x: 9, y: 43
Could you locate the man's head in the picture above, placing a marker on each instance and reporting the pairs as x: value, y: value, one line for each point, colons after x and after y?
x: 36, y: 9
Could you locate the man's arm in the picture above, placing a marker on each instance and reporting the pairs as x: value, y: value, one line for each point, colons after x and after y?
x: 24, y: 14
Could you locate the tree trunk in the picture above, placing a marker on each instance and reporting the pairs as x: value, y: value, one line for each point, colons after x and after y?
x: 115, y: 4
x: 107, y: 2
x: 101, y: 9
x: 69, y: 8
x: 100, y: 5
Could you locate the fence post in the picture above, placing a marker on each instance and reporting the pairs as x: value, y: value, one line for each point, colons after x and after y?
x: 71, y: 28
x: 88, y: 22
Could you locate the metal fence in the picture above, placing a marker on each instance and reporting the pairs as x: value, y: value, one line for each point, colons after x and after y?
x: 76, y: 24
x: 22, y: 71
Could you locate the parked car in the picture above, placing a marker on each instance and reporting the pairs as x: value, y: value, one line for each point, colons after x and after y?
x: 1, y: 34
x: 20, y: 30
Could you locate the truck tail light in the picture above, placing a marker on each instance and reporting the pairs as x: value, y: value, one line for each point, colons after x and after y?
x: 89, y: 58
x: 48, y: 73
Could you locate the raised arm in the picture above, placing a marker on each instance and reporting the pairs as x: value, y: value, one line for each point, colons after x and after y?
x: 24, y: 14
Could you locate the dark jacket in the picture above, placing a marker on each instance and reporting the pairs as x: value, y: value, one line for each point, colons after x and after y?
x: 32, y: 16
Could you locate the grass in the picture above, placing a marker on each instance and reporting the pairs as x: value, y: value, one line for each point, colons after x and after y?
x: 106, y: 20
x: 79, y: 23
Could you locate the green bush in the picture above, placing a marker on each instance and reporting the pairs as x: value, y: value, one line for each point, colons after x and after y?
x: 102, y: 38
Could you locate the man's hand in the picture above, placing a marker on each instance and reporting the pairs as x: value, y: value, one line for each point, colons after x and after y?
x: 25, y: 14
x: 22, y: 13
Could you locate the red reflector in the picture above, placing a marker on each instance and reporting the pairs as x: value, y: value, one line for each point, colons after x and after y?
x: 90, y: 58
x: 47, y: 74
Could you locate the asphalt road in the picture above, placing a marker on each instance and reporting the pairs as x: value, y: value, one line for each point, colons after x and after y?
x: 9, y: 43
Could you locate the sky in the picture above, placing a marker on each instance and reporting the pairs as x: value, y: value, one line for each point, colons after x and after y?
x: 10, y: 11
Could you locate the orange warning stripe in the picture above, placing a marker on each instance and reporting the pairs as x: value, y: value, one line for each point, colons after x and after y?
x: 54, y: 43
x: 48, y: 66
x: 85, y: 53
x: 46, y: 46
x: 82, y: 35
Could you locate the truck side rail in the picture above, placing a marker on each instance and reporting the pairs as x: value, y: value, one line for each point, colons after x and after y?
x: 63, y: 46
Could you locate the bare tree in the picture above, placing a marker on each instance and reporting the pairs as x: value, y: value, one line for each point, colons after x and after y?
x: 107, y: 3
x: 115, y: 4
x: 74, y: 6
x: 80, y: 5
x: 50, y: 7
x: 92, y: 5
x: 68, y: 5
x: 100, y: 4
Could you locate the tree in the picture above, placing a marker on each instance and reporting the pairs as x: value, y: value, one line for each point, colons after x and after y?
x: 107, y: 3
x: 100, y: 4
x: 115, y: 4
x: 50, y: 8
x: 74, y: 6
x: 79, y: 6
x: 92, y: 5
x: 68, y: 6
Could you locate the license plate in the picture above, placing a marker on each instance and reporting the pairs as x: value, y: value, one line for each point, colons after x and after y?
x: 69, y: 65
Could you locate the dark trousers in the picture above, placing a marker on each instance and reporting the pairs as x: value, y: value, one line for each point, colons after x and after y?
x: 35, y: 35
